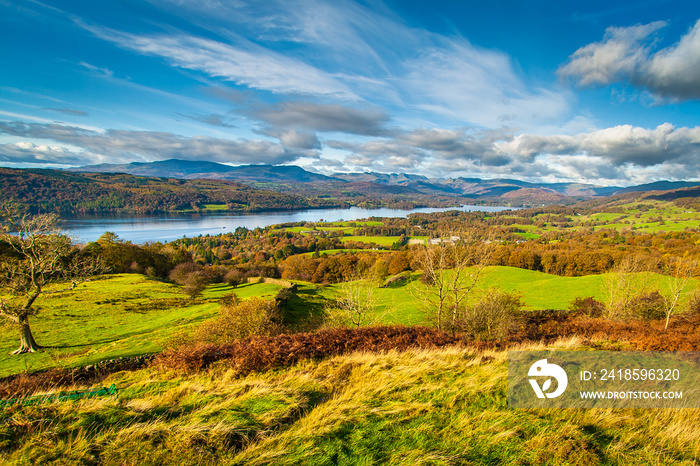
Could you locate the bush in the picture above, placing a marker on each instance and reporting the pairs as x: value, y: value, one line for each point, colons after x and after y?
x: 195, y: 283
x: 589, y: 307
x: 647, y: 306
x: 427, y: 279
x: 493, y: 317
x: 693, y: 309
x: 260, y: 353
x: 396, y: 280
x: 180, y: 272
x: 234, y: 277
x: 253, y: 317
x: 191, y: 277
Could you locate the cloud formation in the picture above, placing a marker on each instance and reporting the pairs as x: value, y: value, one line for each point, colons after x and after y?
x: 247, y: 64
x: 27, y: 152
x: 324, y: 117
x: 148, y: 145
x: 68, y: 111
x: 627, y: 55
x: 346, y: 51
x: 613, y: 153
x: 477, y: 86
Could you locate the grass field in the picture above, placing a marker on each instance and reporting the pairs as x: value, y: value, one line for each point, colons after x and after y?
x: 653, y: 217
x: 537, y: 290
x: 118, y: 315
x: 129, y: 315
x: 215, y: 207
x: 378, y: 240
x: 419, y: 407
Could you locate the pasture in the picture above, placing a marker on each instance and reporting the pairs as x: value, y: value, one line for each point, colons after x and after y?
x: 130, y: 314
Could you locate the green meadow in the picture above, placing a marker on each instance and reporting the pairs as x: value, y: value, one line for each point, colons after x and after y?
x: 129, y: 314
x: 113, y: 316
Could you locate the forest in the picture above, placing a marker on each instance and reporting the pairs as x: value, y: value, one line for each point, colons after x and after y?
x: 69, y: 193
x: 64, y: 192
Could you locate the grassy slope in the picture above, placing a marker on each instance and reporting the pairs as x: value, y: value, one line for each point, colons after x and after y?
x: 128, y: 315
x: 657, y: 216
x: 537, y: 290
x: 119, y: 315
x: 438, y: 407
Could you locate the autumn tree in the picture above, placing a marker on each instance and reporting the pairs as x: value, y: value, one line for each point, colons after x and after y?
x: 35, y: 254
x: 191, y: 277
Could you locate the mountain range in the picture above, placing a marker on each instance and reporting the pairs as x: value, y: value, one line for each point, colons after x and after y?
x: 294, y: 179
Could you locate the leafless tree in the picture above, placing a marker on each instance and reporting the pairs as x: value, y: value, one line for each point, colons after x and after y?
x: 35, y: 254
x: 679, y: 275
x: 626, y: 280
x: 452, y: 267
x: 356, y: 305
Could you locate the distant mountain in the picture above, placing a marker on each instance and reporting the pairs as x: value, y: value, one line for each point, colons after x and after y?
x: 381, y: 178
x: 188, y: 169
x: 399, y: 187
x: 659, y: 186
x: 46, y: 190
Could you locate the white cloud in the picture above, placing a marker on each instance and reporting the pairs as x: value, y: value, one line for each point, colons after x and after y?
x: 627, y: 54
x: 30, y: 153
x: 477, y: 86
x: 120, y: 145
x: 617, y: 145
x: 345, y: 50
x: 615, y: 154
x: 250, y: 65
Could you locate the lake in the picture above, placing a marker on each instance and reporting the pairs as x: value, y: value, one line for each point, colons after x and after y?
x: 169, y: 227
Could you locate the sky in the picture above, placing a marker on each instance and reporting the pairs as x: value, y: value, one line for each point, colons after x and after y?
x: 595, y: 92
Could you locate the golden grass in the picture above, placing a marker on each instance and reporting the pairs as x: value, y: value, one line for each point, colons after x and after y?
x: 439, y: 406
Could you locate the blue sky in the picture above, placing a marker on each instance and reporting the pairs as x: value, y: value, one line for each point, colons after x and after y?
x: 596, y: 92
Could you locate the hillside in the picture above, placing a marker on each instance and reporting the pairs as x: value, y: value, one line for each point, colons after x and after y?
x: 387, y: 188
x: 443, y: 406
x: 66, y: 192
x: 188, y: 169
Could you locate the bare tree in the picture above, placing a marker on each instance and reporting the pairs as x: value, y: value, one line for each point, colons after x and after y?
x: 34, y: 254
x: 626, y: 280
x: 452, y: 267
x: 356, y: 304
x: 679, y: 275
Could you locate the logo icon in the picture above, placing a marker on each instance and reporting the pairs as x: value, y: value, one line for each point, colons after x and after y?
x: 542, y: 369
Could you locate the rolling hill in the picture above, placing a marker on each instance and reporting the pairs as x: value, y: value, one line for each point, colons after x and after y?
x: 381, y: 187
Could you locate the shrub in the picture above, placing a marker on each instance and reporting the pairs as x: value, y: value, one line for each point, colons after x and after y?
x: 493, y: 317
x: 181, y: 271
x: 647, y: 306
x: 589, y: 307
x: 253, y: 317
x: 396, y: 280
x: 195, y: 283
x: 260, y: 353
x: 427, y: 279
x: 693, y: 309
x: 230, y: 299
x: 191, y: 277
x: 234, y: 277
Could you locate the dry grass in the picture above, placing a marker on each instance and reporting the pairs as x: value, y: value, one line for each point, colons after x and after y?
x: 417, y: 406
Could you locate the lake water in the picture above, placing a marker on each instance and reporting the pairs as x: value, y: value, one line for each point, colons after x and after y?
x: 174, y: 226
